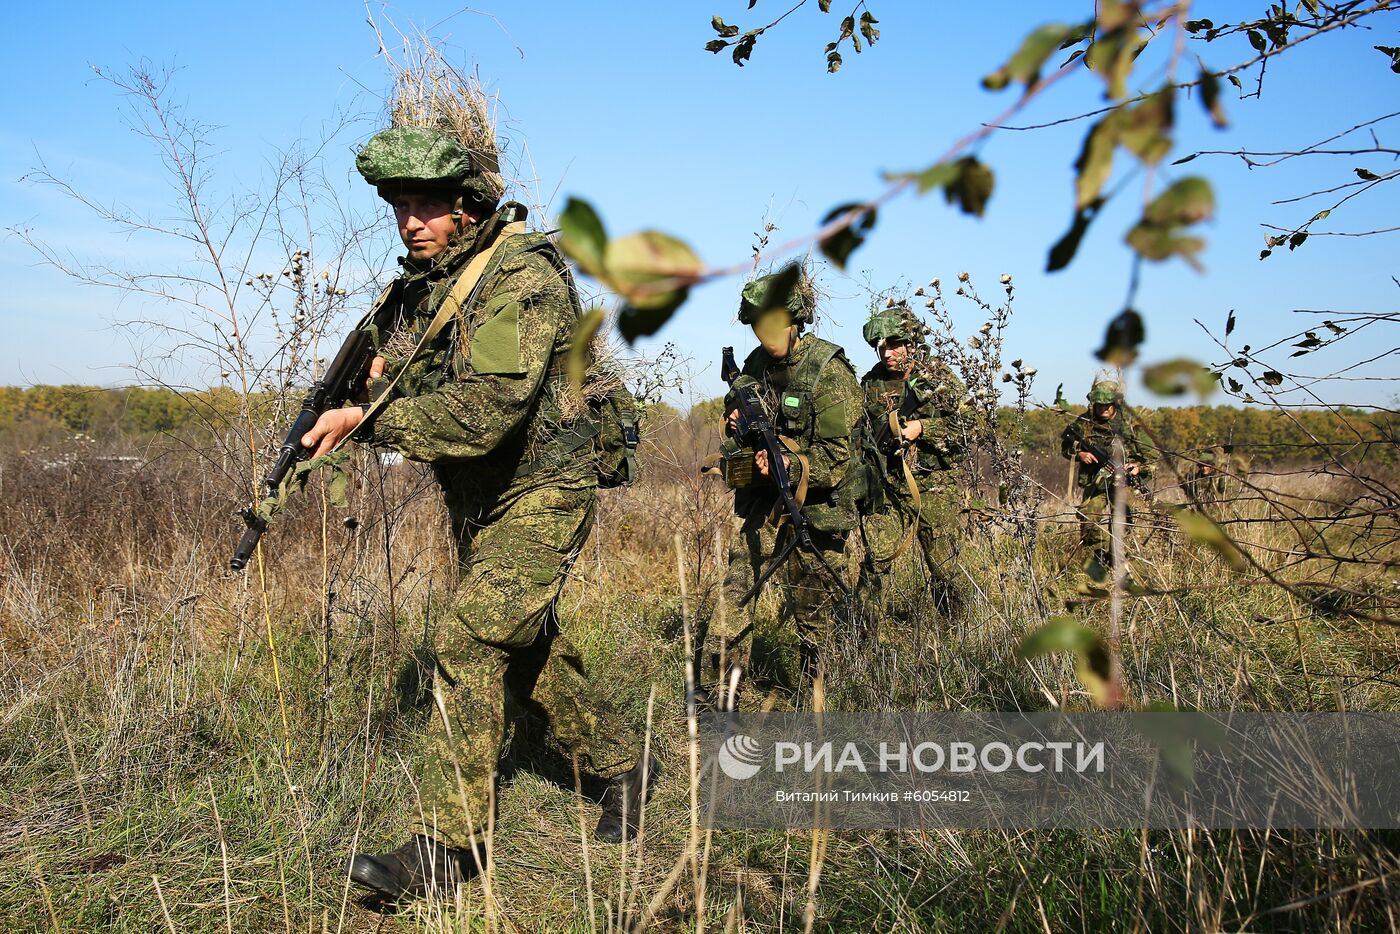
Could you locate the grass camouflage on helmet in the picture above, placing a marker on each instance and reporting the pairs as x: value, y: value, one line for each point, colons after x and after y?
x: 801, y: 301
x: 1105, y: 392
x: 421, y: 157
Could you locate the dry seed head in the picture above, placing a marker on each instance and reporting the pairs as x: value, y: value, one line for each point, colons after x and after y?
x: 1006, y: 278
x: 963, y: 277
x: 933, y: 283
x: 986, y: 328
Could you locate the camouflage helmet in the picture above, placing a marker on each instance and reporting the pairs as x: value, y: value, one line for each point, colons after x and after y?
x: 1105, y: 391
x: 897, y: 322
x: 423, y: 158
x: 799, y: 303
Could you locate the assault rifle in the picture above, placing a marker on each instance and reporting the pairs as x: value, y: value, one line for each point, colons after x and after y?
x: 886, y: 440
x: 344, y: 380
x: 754, y: 431
x: 1103, y: 457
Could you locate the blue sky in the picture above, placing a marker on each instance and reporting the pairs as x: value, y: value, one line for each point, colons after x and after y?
x: 621, y: 105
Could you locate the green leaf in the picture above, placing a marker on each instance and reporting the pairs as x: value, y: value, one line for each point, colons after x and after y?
x: 1210, y: 99
x: 1025, y: 65
x: 716, y: 45
x: 833, y: 62
x: 651, y: 271
x: 1121, y: 339
x: 582, y: 236
x: 1319, y: 216
x: 935, y: 176
x: 1203, y: 530
x: 772, y: 315
x: 726, y: 31
x: 1067, y: 634
x: 744, y: 48
x: 1271, y: 378
x: 1235, y: 80
x: 634, y: 322
x: 1064, y: 249
x: 1095, y: 162
x: 1367, y: 175
x: 1230, y: 323
x: 1187, y: 201
x: 580, y: 347
x: 867, y: 27
x: 1112, y: 56
x: 1235, y: 385
x: 1297, y: 240
x: 1061, y: 402
x: 971, y: 188
x: 824, y: 5
x: 840, y: 245
x: 1145, y: 129
x: 1177, y: 377
x: 1393, y: 52
x: 1256, y: 39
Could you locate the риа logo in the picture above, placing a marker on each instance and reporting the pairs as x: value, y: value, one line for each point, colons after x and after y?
x: 740, y: 757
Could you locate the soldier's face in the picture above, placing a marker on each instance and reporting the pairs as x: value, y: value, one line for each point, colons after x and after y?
x: 776, y: 341
x: 895, y: 354
x: 425, y: 223
x: 1103, y: 411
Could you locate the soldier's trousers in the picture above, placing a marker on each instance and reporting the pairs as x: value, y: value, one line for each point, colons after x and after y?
x: 936, y: 537
x: 1096, y: 519
x: 810, y: 599
x: 506, y: 637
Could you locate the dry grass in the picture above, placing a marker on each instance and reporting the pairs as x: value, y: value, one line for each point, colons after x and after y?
x: 147, y: 783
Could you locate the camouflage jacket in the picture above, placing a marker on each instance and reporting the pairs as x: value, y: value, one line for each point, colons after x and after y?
x: 934, y: 404
x: 483, y: 403
x: 817, y: 404
x: 1086, y: 429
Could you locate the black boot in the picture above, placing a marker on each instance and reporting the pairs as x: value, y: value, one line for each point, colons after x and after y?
x: 420, y: 864
x: 622, y: 801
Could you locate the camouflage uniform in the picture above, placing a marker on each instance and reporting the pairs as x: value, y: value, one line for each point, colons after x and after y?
x: 482, y: 405
x: 931, y: 397
x: 1098, y: 492
x: 813, y: 390
x: 1215, y: 479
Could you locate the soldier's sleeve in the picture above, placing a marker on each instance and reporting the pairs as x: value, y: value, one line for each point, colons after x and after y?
x: 938, y: 412
x: 837, y: 401
x: 1070, y: 438
x: 525, y: 314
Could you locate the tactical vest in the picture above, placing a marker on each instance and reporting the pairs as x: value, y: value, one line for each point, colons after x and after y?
x: 795, y: 417
x: 608, y: 433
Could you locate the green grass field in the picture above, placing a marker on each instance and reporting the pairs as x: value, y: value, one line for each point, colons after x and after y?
x: 165, y: 770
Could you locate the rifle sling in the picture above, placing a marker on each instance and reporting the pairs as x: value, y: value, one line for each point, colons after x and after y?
x: 456, y: 299
x: 897, y: 434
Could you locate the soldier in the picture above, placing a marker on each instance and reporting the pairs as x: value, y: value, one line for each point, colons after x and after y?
x: 809, y: 385
x: 481, y: 403
x: 1214, y: 480
x: 913, y: 442
x: 1088, y: 443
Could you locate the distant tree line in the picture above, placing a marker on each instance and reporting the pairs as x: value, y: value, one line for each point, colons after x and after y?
x: 45, y: 416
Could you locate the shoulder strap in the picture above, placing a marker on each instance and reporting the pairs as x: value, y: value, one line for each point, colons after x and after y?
x: 464, y: 286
